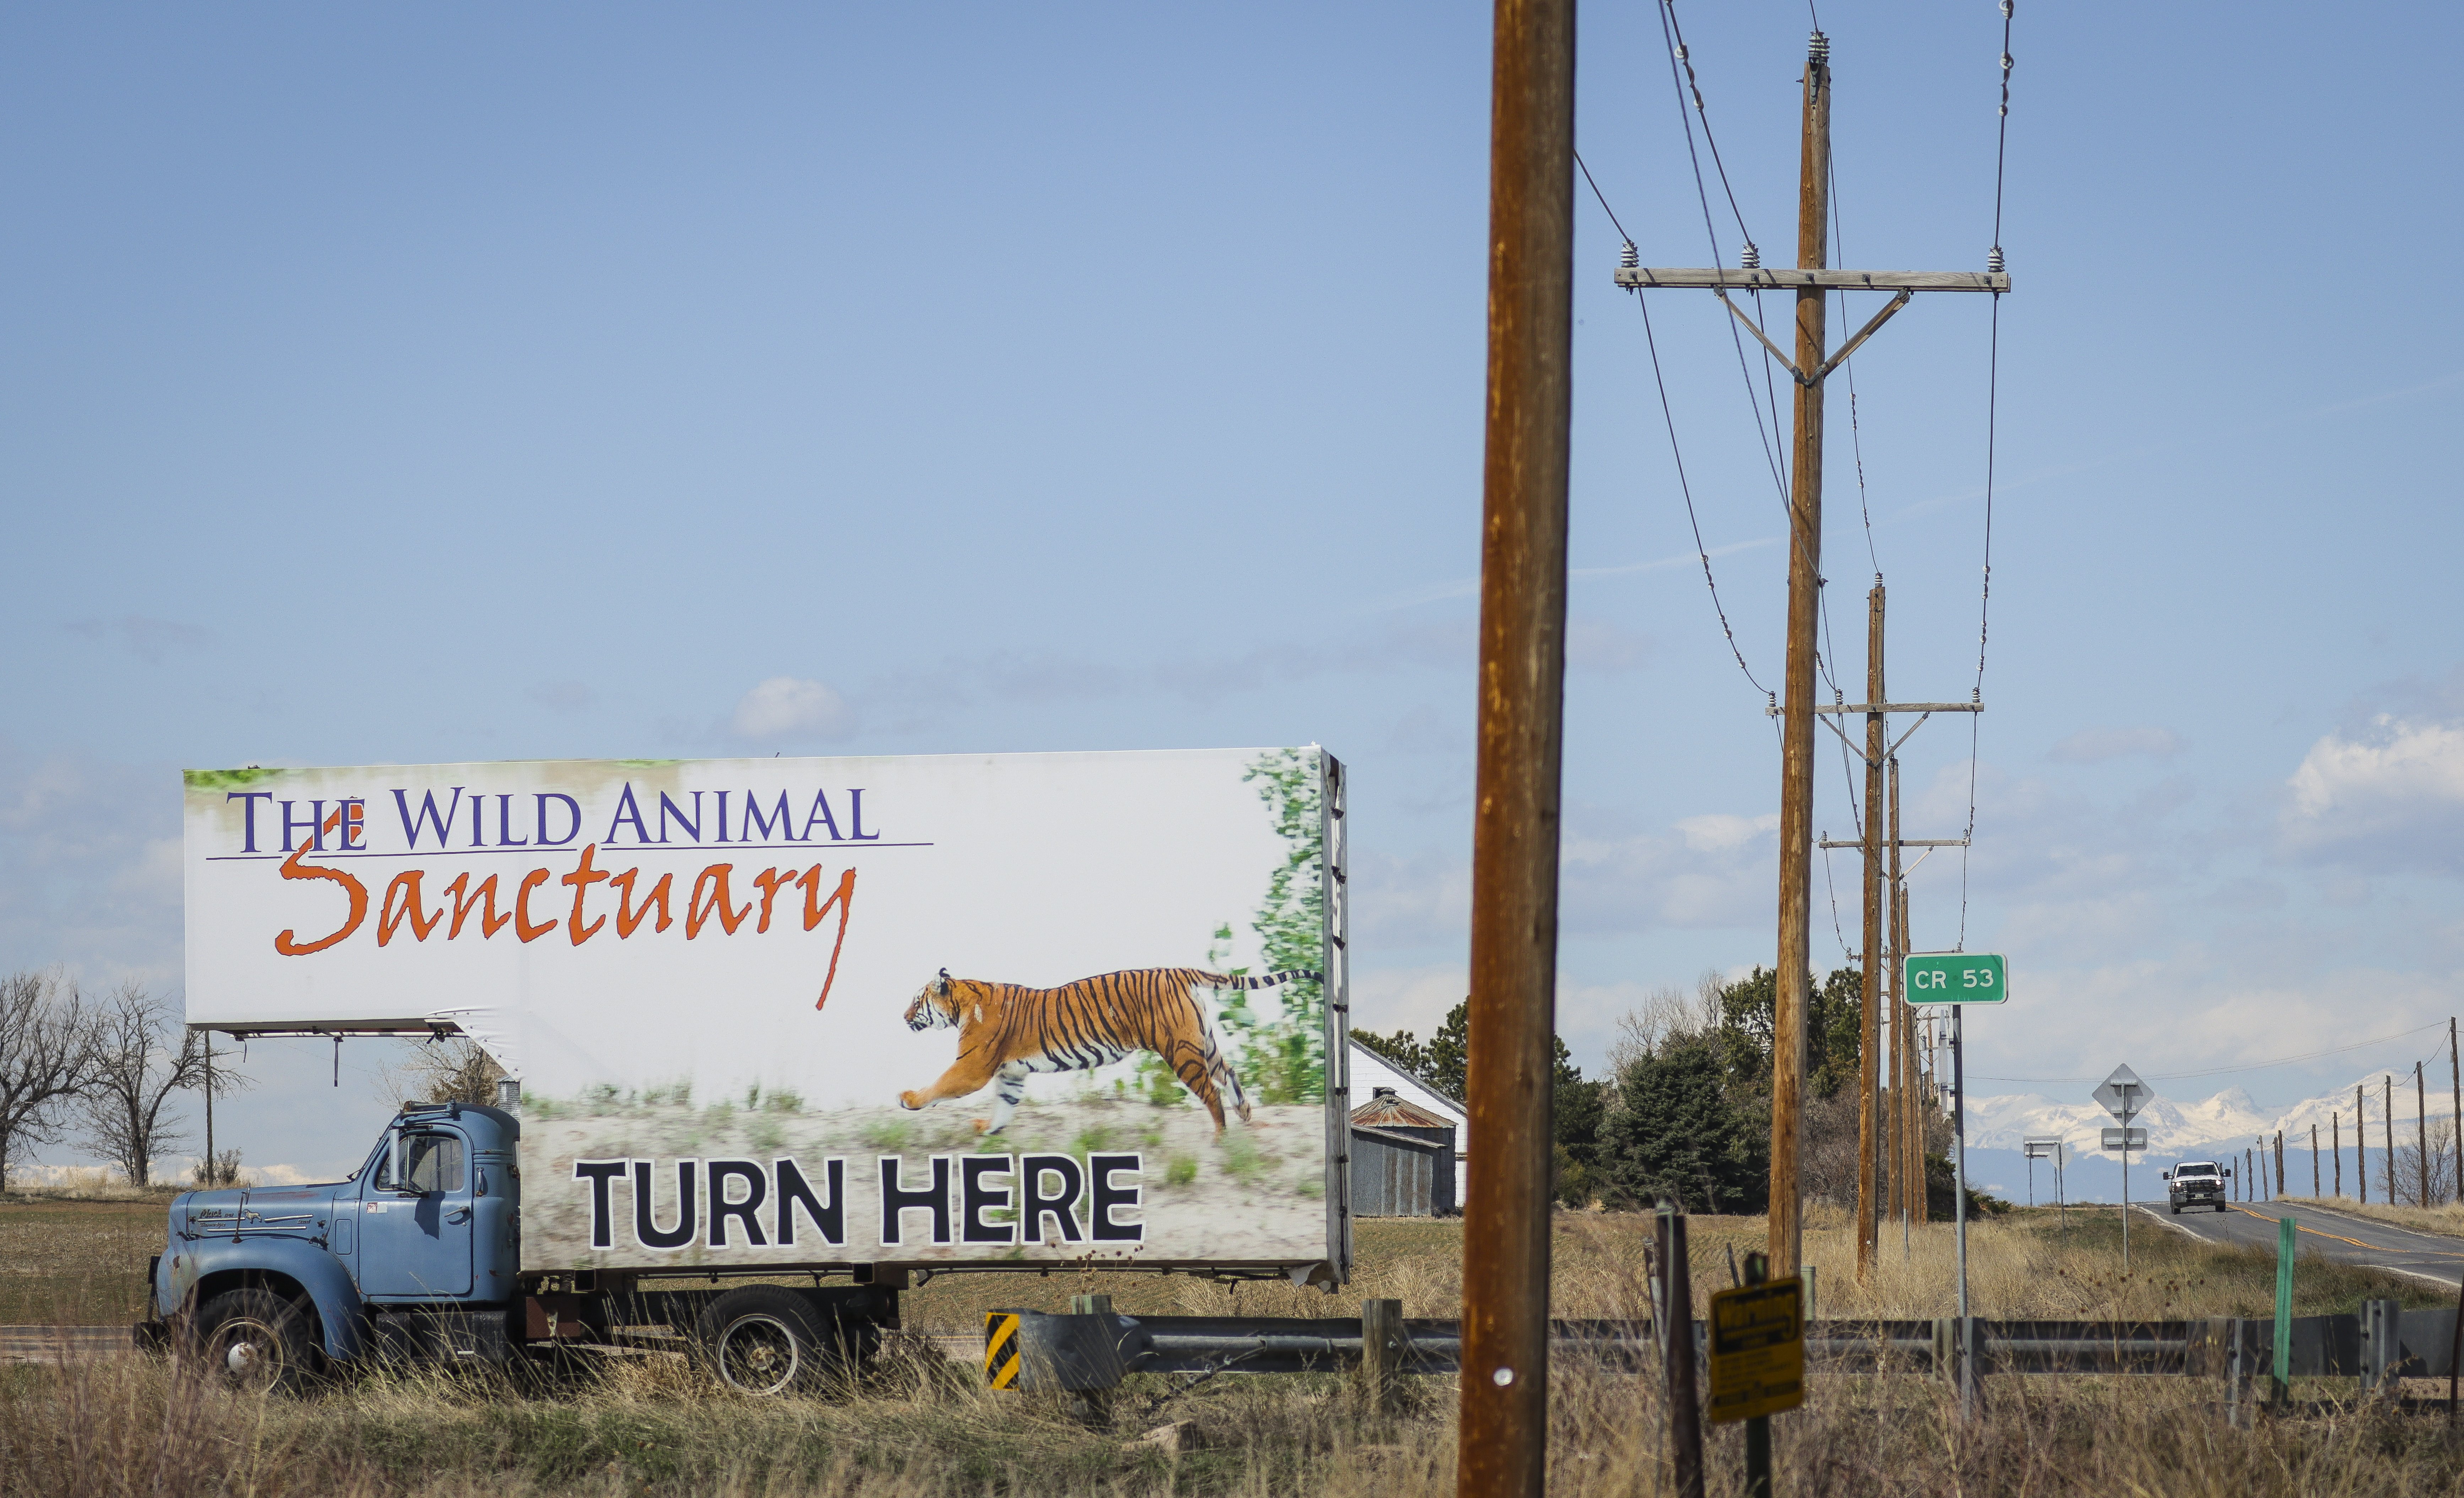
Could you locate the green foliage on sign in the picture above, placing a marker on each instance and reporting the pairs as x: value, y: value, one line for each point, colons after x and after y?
x: 1282, y: 1053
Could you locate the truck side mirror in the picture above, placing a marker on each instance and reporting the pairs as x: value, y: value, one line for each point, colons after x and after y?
x: 2164, y: 1175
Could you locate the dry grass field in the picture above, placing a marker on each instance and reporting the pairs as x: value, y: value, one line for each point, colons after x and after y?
x: 916, y: 1426
x: 71, y: 1262
x: 2447, y: 1218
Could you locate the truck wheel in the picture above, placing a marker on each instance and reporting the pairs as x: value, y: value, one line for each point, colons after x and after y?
x: 2177, y: 1209
x: 253, y: 1339
x: 764, y: 1340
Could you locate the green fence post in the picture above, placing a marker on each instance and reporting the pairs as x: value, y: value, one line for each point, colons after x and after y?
x: 2283, y: 1370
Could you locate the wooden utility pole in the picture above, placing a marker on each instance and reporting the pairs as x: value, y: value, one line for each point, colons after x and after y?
x: 1898, y: 1051
x: 1920, y: 1204
x: 2360, y: 1145
x: 1869, y: 1018
x: 1504, y: 1430
x: 1811, y: 280
x: 2336, y: 1149
x: 2314, y: 1161
x: 2456, y: 1079
x: 2421, y: 1126
x: 1796, y: 719
x: 2387, y: 1120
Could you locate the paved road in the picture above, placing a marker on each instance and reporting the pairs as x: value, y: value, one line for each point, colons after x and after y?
x: 2335, y: 1235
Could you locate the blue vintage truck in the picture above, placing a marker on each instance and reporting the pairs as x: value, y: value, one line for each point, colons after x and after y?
x: 418, y: 1257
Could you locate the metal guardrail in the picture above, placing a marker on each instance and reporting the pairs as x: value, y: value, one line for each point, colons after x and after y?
x: 2381, y: 1342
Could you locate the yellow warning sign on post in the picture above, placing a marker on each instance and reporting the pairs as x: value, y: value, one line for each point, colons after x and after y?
x: 1758, y: 1350
x: 1002, y: 1347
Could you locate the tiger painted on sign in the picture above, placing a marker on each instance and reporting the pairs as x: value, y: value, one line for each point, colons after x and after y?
x: 1006, y: 1031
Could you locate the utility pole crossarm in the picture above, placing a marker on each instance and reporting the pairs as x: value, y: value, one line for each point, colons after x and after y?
x: 1892, y: 707
x: 1822, y: 372
x: 1900, y: 841
x: 1786, y: 278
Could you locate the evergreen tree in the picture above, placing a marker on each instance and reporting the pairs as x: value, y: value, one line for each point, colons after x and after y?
x: 1450, y: 1052
x: 1677, y: 1132
x: 1402, y: 1047
x: 1834, y: 1023
x: 1577, y: 1110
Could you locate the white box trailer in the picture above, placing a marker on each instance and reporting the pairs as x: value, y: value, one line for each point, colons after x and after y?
x: 851, y: 1017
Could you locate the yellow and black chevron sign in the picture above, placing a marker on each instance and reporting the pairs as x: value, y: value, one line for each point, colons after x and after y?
x: 1001, y: 1348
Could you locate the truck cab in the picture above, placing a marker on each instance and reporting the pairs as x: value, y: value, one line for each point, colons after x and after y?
x: 418, y: 1252
x: 2194, y: 1183
x: 417, y: 1256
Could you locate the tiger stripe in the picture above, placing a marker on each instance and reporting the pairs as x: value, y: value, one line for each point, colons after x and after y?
x: 1002, y: 1347
x: 1008, y: 1031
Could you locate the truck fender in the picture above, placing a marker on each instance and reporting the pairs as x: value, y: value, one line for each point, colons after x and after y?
x: 340, y: 1314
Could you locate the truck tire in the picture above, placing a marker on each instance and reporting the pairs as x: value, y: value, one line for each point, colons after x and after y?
x: 2177, y: 1209
x: 765, y: 1339
x: 253, y: 1339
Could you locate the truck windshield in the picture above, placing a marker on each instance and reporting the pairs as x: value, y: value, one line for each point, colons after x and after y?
x: 2195, y: 1170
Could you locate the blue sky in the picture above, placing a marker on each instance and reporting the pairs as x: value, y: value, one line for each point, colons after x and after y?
x: 468, y: 382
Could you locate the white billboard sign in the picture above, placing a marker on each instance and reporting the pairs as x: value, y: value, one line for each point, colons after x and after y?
x: 822, y: 1011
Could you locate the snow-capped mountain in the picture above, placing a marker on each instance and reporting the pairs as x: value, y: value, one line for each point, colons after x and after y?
x: 2230, y: 1118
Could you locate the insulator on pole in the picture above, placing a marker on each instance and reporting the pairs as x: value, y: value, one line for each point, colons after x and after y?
x: 1993, y: 259
x: 1750, y: 257
x: 1629, y: 259
x: 1817, y: 50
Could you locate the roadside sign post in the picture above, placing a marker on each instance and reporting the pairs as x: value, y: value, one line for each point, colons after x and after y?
x: 2048, y: 1148
x: 2122, y: 1095
x: 1959, y: 979
x: 2282, y: 1372
x: 1758, y: 1360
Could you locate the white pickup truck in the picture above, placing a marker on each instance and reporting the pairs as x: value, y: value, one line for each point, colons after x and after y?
x: 2196, y: 1183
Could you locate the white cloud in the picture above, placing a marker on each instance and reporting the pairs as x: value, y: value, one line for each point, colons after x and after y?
x: 149, y: 640
x: 2394, y: 797
x: 1720, y: 833
x: 2096, y: 745
x: 1596, y: 645
x: 1413, y: 999
x: 89, y: 868
x: 2409, y: 762
x: 791, y: 708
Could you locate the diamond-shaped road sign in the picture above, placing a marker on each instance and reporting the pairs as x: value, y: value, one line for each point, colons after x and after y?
x: 2124, y: 1094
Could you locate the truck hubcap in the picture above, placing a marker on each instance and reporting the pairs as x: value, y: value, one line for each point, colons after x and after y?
x: 250, y: 1354
x: 758, y: 1354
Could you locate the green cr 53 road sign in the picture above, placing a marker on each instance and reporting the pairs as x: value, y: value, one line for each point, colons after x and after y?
x: 1957, y: 977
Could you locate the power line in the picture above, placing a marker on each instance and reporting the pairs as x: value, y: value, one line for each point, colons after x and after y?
x: 1603, y: 197
x: 1686, y: 489
x: 1677, y: 54
x: 2255, y: 1066
x: 1995, y: 261
x: 1675, y: 452
x: 1673, y: 33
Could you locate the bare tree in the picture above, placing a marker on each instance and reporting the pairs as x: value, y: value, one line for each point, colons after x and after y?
x: 449, y: 1070
x: 1666, y: 1013
x: 142, y: 1056
x: 47, y: 1058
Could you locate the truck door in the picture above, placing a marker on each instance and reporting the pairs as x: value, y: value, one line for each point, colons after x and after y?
x: 415, y: 1232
